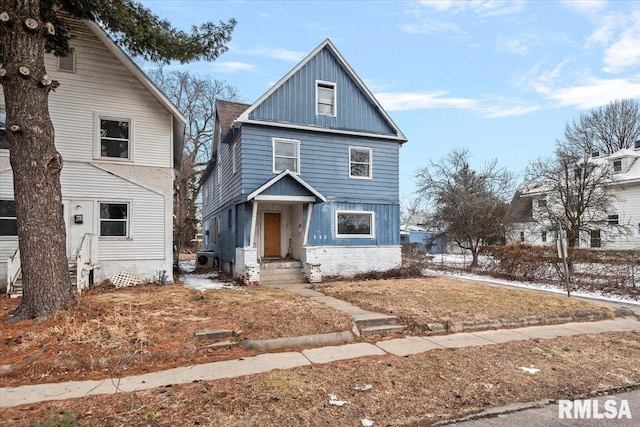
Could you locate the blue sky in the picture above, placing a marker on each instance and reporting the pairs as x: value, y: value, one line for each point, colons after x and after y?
x: 501, y: 78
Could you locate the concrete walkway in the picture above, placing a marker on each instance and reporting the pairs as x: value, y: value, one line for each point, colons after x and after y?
x: 13, y: 396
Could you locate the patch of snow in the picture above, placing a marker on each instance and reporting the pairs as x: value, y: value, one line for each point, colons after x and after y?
x: 187, y: 266
x: 333, y: 400
x: 366, y: 422
x: 205, y: 282
x: 535, y: 286
x: 532, y: 370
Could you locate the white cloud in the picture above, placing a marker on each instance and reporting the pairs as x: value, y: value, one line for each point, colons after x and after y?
x: 625, y: 51
x: 540, y: 81
x: 586, y: 7
x: 491, y: 108
x: 512, y: 45
x: 402, y: 101
x: 482, y: 8
x: 232, y: 67
x: 275, y: 53
x: 432, y: 26
x: 595, y: 92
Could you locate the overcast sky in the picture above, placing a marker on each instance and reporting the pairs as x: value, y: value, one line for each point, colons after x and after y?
x: 501, y: 78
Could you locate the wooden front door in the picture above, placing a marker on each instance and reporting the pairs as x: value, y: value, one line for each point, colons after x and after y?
x: 271, y: 234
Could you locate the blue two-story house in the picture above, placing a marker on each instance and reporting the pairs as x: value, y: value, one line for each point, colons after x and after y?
x: 309, y: 172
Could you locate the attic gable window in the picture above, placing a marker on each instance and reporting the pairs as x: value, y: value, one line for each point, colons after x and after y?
x: 114, y: 137
x: 286, y: 155
x: 617, y: 165
x: 325, y: 99
x: 360, y: 162
x: 4, y: 142
x: 613, y: 219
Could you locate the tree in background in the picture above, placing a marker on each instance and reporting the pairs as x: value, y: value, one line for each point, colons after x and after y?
x: 605, y: 129
x: 196, y: 98
x: 28, y: 28
x: 468, y: 205
x: 574, y: 184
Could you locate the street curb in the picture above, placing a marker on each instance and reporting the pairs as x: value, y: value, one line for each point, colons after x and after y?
x: 300, y: 341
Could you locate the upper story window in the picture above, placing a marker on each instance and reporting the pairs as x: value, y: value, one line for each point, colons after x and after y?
x: 8, y: 220
x: 114, y: 219
x: 286, y: 155
x: 613, y: 219
x: 543, y: 236
x: 354, y: 224
x: 115, y: 138
x: 617, y: 165
x: 542, y: 203
x: 325, y: 98
x: 67, y: 63
x: 360, y: 163
x: 4, y: 142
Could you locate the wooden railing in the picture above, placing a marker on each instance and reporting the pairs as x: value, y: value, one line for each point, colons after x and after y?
x: 86, y: 256
x: 14, y: 268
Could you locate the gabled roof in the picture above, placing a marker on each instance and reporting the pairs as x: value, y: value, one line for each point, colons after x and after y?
x: 179, y: 120
x: 327, y: 44
x: 281, y: 176
x: 520, y: 209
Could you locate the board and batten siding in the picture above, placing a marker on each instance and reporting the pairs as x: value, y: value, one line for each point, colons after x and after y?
x: 322, y: 230
x: 324, y: 163
x: 295, y: 101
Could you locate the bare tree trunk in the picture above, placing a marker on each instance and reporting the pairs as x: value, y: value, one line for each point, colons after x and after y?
x: 35, y: 162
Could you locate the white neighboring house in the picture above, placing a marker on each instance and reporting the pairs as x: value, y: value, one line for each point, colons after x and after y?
x: 625, y: 165
x: 120, y: 138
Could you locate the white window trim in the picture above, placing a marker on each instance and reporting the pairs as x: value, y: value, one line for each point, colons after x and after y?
x: 273, y: 153
x: 371, y: 235
x: 370, y: 150
x: 129, y: 219
x: 234, y: 157
x: 613, y: 165
x: 97, y: 152
x: 335, y: 97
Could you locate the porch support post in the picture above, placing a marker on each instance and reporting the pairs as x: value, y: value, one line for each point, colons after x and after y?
x: 308, y: 223
x: 254, y: 216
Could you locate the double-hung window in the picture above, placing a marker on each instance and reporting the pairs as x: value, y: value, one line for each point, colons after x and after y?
x: 596, y: 240
x: 115, y: 138
x: 8, y: 220
x: 617, y: 165
x: 4, y: 142
x: 360, y: 163
x: 354, y: 224
x: 325, y: 98
x: 114, y: 219
x: 286, y: 155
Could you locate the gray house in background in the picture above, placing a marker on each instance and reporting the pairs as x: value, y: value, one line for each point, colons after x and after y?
x: 306, y: 177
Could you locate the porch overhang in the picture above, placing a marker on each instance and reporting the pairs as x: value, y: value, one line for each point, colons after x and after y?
x: 287, y: 187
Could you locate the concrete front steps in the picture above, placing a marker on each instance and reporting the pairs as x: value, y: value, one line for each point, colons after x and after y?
x: 369, y: 323
x: 282, y: 272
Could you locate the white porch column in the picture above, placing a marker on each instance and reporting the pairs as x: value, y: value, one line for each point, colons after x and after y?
x: 307, y: 223
x: 254, y: 216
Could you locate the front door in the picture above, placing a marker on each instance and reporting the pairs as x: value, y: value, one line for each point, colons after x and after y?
x: 272, y: 234
x: 78, y: 216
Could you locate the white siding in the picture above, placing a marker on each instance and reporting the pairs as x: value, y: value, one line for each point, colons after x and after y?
x: 101, y: 84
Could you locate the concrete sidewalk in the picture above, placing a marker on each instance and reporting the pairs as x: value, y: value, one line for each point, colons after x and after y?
x: 13, y: 396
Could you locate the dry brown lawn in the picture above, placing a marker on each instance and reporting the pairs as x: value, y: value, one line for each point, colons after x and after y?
x: 444, y: 300
x: 415, y: 390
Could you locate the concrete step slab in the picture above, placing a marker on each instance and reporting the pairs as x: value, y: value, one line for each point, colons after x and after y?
x: 280, y: 264
x: 342, y: 352
x: 459, y: 340
x: 407, y: 346
x: 374, y: 319
x: 383, y: 330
